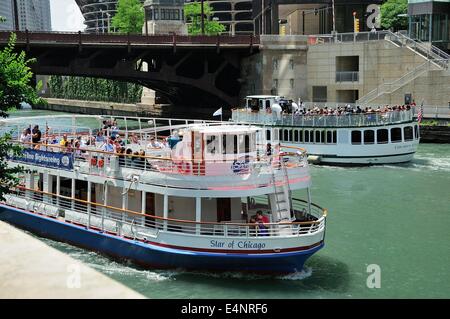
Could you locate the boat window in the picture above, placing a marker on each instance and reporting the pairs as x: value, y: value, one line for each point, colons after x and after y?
x: 408, y: 133
x: 382, y: 136
x: 369, y: 137
x: 334, y: 137
x: 254, y: 104
x: 300, y: 136
x: 224, y: 144
x: 416, y: 132
x: 268, y: 135
x: 286, y: 135
x: 329, y: 137
x: 295, y: 135
x: 322, y: 136
x: 396, y: 134
x: 235, y: 144
x: 356, y: 137
x: 267, y: 104
x: 306, y: 136
x: 211, y: 144
x: 317, y: 140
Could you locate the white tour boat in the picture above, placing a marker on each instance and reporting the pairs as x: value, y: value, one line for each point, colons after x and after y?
x: 352, y: 139
x: 192, y: 202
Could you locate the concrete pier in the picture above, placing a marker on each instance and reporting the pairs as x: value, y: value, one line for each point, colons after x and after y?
x: 31, y: 269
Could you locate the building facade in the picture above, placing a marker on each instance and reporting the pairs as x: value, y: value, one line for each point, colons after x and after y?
x: 429, y: 21
x: 32, y: 15
x: 164, y: 16
x: 235, y: 15
x: 98, y: 14
x: 294, y: 17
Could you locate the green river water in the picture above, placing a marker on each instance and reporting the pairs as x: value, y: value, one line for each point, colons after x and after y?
x: 394, y: 216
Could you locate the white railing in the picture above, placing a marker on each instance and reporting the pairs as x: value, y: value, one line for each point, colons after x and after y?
x: 347, y: 76
x: 136, y: 225
x: 350, y: 120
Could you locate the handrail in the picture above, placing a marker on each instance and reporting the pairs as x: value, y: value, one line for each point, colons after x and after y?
x: 127, y: 211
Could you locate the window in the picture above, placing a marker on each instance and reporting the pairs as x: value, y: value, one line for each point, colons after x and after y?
x: 295, y: 135
x: 334, y: 137
x: 306, y: 136
x: 235, y: 144
x: 319, y: 93
x: 317, y: 140
x: 211, y: 144
x: 329, y: 137
x: 396, y: 135
x: 408, y: 133
x: 268, y: 135
x: 382, y: 136
x: 300, y: 133
x: 356, y: 137
x: 369, y: 137
x: 224, y: 144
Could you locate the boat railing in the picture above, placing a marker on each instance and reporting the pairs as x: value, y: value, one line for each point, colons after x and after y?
x: 102, y: 163
x: 136, y: 225
x: 347, y: 120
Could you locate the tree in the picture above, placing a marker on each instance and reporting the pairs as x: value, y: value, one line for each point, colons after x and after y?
x: 129, y: 16
x: 15, y: 77
x: 193, y: 13
x: 390, y: 11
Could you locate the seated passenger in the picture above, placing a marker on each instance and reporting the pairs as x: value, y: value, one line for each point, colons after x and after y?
x: 263, y: 218
x: 154, y: 143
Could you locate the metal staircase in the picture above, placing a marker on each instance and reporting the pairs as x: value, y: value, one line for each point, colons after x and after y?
x: 280, y: 198
x: 436, y: 59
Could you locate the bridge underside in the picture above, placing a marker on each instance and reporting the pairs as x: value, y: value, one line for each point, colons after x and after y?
x: 201, y: 77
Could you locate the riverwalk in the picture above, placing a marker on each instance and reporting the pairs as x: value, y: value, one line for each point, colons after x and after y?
x: 31, y: 269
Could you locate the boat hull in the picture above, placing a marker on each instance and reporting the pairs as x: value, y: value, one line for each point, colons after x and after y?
x: 153, y: 256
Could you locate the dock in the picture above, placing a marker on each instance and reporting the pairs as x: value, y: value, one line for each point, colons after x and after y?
x: 31, y: 269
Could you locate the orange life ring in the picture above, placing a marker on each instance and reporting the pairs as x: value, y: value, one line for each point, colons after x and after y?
x: 93, y: 161
x: 101, y: 162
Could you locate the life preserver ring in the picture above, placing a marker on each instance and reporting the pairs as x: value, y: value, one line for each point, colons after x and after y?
x: 101, y: 162
x: 93, y: 161
x: 184, y: 167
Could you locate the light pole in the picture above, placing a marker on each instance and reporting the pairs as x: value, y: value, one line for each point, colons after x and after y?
x: 109, y: 20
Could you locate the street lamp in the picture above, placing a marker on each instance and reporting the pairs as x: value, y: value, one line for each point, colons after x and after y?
x: 109, y: 21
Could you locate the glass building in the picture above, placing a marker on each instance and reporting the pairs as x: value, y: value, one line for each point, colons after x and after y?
x: 429, y: 21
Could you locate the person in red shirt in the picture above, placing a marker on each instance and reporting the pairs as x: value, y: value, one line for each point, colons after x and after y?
x: 263, y: 218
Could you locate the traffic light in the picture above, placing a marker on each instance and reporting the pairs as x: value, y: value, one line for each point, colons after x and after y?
x: 356, y: 25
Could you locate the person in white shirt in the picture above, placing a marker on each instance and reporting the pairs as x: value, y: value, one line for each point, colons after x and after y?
x: 25, y: 137
x: 154, y: 143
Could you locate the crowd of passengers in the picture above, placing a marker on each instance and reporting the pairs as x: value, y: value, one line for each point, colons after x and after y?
x: 106, y: 139
x: 289, y: 107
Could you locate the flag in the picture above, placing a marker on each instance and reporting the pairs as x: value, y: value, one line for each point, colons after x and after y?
x: 218, y: 112
x: 420, y: 114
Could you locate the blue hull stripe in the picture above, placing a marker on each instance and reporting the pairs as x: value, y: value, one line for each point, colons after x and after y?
x: 154, y: 256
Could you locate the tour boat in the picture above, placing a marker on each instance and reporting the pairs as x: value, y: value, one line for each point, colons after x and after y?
x: 353, y: 139
x: 193, y: 201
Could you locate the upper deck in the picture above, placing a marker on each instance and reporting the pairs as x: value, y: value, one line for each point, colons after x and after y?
x: 189, y: 157
x: 276, y: 111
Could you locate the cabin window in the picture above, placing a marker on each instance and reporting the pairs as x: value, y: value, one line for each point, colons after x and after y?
x: 329, y: 137
x: 334, y: 137
x: 224, y: 144
x: 296, y: 136
x: 211, y: 144
x: 286, y: 135
x: 267, y: 104
x: 300, y: 136
x: 369, y: 137
x: 322, y: 136
x: 396, y: 134
x: 235, y: 144
x: 416, y: 132
x: 356, y: 137
x: 306, y: 136
x: 382, y: 136
x: 317, y: 140
x: 408, y: 133
x: 268, y: 135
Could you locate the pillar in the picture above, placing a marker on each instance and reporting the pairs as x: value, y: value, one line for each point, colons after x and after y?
x: 166, y: 210
x: 198, y: 214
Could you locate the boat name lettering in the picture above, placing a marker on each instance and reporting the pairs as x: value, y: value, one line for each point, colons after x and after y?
x: 237, y: 244
x: 44, y: 158
x: 241, y: 166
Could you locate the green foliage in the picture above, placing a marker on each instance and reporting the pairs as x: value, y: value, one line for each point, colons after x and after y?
x: 8, y: 175
x: 389, y: 14
x: 15, y: 77
x: 2, y: 19
x: 192, y: 13
x: 129, y: 16
x: 92, y: 89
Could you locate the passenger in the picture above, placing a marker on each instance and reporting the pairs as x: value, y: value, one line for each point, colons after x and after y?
x: 154, y: 143
x: 252, y: 226
x: 134, y: 139
x: 269, y: 149
x: 25, y: 138
x: 36, y: 135
x: 64, y: 142
x: 173, y: 140
x: 263, y: 218
x: 261, y: 226
x: 108, y: 146
x: 99, y: 138
x: 128, y: 157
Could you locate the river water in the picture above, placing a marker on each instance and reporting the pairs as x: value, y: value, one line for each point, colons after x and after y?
x: 396, y: 217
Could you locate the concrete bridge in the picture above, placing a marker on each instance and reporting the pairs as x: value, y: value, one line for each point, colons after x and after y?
x: 188, y: 70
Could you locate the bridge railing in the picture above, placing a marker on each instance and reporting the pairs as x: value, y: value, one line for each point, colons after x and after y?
x: 91, y: 38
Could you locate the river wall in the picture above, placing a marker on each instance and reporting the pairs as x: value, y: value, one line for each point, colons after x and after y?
x: 435, y: 134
